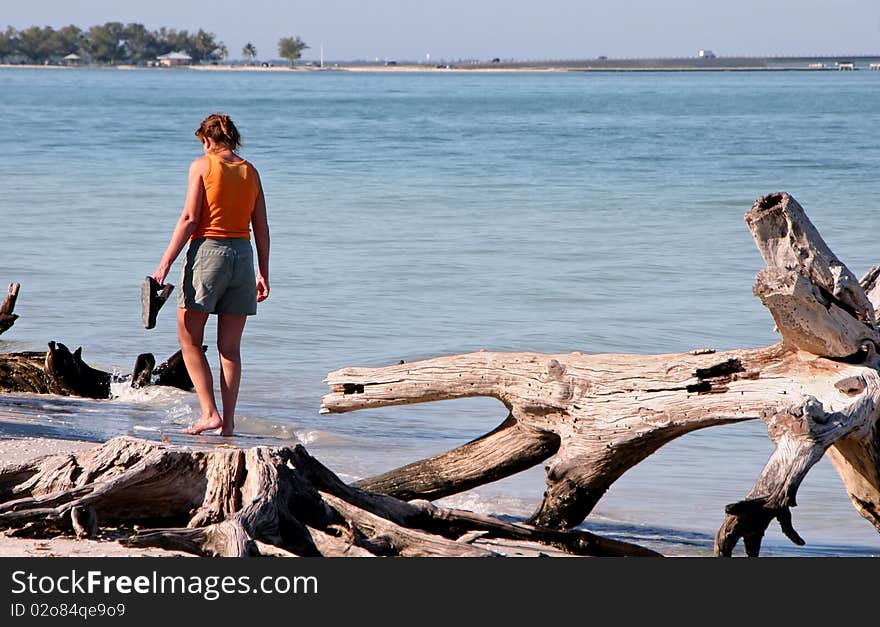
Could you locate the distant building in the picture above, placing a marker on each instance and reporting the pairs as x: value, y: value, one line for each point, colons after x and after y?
x: 72, y: 59
x: 174, y: 59
x: 706, y: 54
x: 846, y: 66
x: 874, y: 66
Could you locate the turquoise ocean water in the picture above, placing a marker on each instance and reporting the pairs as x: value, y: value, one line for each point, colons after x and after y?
x: 416, y: 215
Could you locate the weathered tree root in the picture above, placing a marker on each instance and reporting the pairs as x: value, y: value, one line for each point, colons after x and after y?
x: 802, y: 434
x: 596, y: 416
x: 259, y: 501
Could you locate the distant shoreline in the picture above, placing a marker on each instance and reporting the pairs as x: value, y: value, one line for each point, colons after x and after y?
x: 634, y: 66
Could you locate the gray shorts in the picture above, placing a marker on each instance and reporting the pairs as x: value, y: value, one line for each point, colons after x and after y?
x: 218, y: 277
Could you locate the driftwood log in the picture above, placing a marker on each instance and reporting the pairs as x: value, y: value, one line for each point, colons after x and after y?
x: 596, y: 416
x: 259, y: 501
x: 59, y: 371
x: 7, y: 317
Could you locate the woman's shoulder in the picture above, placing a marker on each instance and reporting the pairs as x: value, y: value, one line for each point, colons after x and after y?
x: 253, y: 169
x: 200, y: 165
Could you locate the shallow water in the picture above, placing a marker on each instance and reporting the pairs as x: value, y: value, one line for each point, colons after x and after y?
x: 425, y: 214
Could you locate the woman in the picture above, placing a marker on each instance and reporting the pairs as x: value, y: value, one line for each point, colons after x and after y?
x: 224, y: 198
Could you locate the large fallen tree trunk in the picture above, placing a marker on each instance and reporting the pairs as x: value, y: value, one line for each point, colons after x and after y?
x: 596, y: 416
x: 260, y: 501
x: 7, y: 317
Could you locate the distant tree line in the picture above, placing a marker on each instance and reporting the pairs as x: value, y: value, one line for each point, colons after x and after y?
x: 112, y: 42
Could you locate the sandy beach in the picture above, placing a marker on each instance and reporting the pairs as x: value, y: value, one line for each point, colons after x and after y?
x: 23, y: 449
x: 19, y: 450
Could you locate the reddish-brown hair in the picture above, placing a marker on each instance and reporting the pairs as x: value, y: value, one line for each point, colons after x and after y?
x: 219, y: 127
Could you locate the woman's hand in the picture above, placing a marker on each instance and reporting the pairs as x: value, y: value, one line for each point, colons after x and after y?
x: 262, y: 288
x: 160, y: 273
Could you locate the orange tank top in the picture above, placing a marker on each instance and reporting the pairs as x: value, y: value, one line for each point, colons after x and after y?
x: 230, y: 194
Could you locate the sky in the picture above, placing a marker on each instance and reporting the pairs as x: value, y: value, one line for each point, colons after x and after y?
x: 484, y: 29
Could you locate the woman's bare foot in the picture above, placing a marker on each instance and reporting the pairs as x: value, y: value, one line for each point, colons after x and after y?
x: 203, y: 424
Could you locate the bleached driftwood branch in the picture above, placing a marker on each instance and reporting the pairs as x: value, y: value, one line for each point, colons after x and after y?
x: 596, y: 416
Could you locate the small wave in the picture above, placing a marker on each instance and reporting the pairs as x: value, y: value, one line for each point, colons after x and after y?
x: 489, y: 504
x: 320, y: 438
x: 121, y: 391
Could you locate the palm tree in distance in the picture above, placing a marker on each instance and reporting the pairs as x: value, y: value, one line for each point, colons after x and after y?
x: 249, y: 52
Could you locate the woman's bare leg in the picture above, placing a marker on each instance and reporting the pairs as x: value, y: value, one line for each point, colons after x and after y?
x: 190, y: 333
x: 229, y: 330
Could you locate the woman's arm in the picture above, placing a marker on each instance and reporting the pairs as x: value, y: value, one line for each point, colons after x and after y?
x: 261, y: 238
x: 189, y: 218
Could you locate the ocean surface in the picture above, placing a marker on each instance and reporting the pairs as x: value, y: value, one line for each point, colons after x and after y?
x: 416, y: 215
